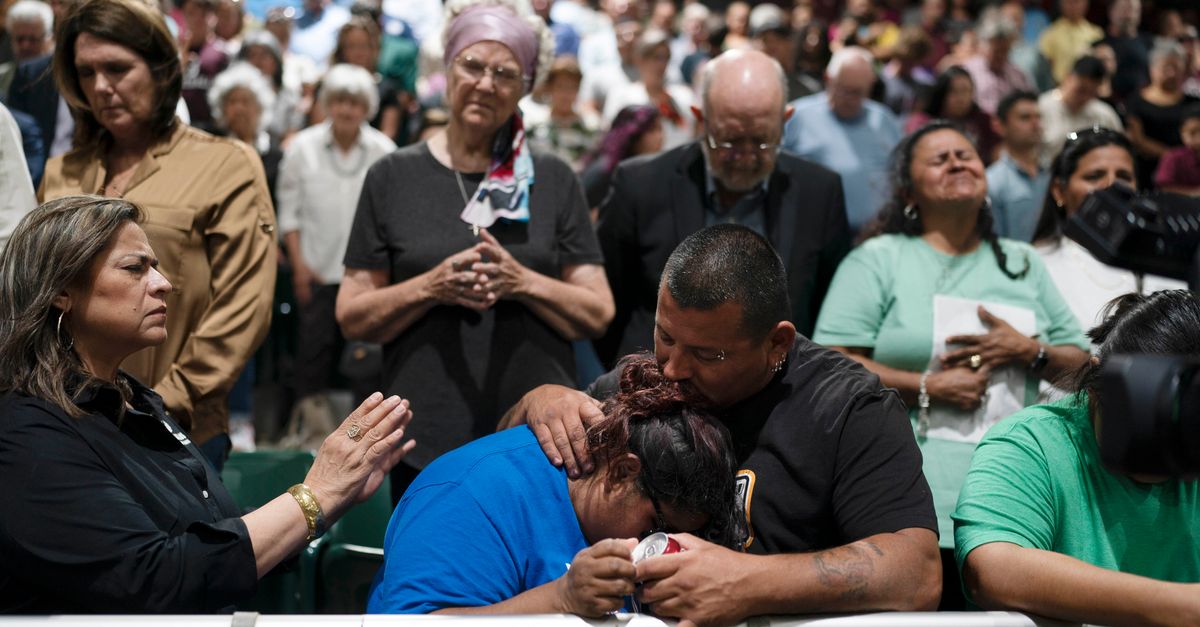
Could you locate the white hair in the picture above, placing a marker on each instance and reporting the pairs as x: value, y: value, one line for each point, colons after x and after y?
x: 695, y: 11
x: 345, y: 79
x: 26, y: 11
x: 844, y: 56
x: 1167, y: 48
x: 523, y: 10
x: 242, y: 74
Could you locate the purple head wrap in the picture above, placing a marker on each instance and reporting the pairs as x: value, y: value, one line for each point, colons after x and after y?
x: 493, y: 23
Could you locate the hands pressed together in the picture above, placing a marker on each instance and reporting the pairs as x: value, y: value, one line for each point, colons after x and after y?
x: 478, y: 277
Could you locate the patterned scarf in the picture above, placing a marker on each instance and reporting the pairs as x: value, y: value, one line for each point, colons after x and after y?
x: 503, y: 194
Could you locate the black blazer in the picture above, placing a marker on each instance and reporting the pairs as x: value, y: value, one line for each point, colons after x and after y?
x: 656, y: 201
x: 34, y: 92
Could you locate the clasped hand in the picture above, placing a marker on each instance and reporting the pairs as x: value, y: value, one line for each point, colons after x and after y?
x: 699, y: 585
x: 478, y: 277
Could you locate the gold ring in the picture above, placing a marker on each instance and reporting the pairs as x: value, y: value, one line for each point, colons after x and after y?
x: 354, y: 432
x: 976, y: 361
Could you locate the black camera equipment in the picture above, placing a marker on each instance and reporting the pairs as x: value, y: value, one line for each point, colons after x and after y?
x: 1149, y: 420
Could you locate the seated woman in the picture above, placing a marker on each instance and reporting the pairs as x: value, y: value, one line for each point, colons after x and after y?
x: 905, y: 303
x: 495, y: 528
x: 1043, y: 527
x: 108, y: 506
x: 1091, y: 159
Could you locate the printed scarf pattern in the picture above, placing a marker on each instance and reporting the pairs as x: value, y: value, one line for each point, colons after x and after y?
x: 503, y: 194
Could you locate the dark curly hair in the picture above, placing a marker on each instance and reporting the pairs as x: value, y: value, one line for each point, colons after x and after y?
x: 891, y: 218
x: 686, y: 453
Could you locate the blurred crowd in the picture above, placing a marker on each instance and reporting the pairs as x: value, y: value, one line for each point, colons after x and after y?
x: 467, y: 205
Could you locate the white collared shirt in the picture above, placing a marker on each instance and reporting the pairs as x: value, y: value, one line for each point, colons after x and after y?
x: 17, y: 199
x: 317, y: 193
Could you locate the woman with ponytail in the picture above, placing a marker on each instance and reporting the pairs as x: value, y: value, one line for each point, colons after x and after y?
x: 495, y: 528
x: 933, y: 242
x: 1044, y: 527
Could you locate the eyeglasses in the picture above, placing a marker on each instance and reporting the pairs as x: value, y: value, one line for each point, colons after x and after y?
x: 741, y: 146
x: 504, y: 78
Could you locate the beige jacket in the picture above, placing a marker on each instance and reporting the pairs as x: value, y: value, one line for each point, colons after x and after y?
x: 210, y: 221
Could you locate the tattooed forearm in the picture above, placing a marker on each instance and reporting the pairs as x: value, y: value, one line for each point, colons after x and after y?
x: 848, y: 568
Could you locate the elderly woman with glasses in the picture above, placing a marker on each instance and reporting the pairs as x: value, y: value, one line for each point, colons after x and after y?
x: 471, y: 259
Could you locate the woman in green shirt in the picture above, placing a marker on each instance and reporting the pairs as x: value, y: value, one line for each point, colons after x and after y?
x: 933, y: 244
x: 1043, y: 527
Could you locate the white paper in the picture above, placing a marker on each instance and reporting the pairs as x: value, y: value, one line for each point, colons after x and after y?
x: 1006, y: 386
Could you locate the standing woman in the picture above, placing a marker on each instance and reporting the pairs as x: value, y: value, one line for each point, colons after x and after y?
x: 674, y: 102
x: 208, y: 208
x: 1091, y: 159
x: 1153, y: 114
x: 472, y: 322
x: 934, y: 238
x: 953, y: 98
x: 636, y: 130
x: 320, y: 181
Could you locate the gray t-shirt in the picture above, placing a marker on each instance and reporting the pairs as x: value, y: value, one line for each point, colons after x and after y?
x: 461, y: 369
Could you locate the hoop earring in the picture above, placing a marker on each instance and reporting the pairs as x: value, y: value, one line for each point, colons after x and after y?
x: 58, y: 331
x: 910, y: 211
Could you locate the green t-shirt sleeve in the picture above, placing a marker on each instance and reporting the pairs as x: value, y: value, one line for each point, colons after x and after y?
x: 857, y: 300
x: 1062, y: 327
x: 1007, y: 495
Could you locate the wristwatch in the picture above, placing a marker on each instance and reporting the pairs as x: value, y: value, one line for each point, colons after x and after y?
x: 1039, y: 363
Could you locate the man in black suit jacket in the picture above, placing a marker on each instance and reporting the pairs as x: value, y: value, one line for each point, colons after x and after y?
x: 33, y: 91
x: 734, y: 173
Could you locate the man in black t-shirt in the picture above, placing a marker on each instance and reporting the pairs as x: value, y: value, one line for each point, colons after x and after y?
x: 840, y: 514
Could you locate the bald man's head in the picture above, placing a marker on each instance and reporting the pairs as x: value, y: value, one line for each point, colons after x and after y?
x: 743, y: 79
x: 744, y: 96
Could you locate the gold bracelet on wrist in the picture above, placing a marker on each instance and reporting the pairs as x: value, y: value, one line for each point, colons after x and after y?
x: 314, y: 516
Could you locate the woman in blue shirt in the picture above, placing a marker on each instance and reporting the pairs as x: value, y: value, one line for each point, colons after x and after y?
x: 494, y: 527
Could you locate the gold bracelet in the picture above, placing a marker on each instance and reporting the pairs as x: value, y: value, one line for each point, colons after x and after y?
x: 314, y: 516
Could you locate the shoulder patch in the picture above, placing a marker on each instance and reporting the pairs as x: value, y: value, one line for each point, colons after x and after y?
x: 744, y: 486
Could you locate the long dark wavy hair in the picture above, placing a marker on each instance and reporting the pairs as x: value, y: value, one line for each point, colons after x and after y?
x: 686, y: 453
x: 1079, y: 144
x: 891, y: 218
x: 51, y: 249
x: 941, y: 89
